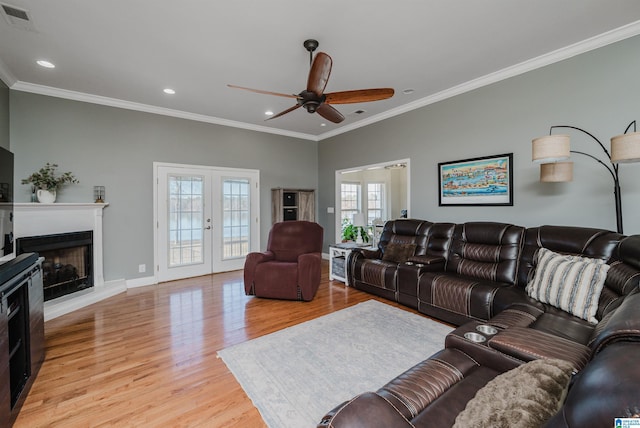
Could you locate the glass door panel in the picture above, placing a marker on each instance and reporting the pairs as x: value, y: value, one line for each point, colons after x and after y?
x: 186, y: 220
x: 236, y: 217
x: 183, y: 228
x: 207, y: 219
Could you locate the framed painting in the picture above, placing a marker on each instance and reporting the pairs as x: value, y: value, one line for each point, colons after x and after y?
x: 479, y: 181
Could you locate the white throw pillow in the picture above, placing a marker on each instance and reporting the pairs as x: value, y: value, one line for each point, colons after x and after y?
x: 571, y: 283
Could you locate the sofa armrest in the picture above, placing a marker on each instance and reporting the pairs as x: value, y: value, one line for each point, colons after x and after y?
x: 409, y: 274
x: 367, y: 254
x: 260, y: 257
x: 480, y: 351
x: 309, y: 273
x: 367, y: 410
x: 528, y: 344
x: 427, y: 260
x: 620, y: 325
x: 605, y: 390
x: 250, y: 263
x: 426, y: 263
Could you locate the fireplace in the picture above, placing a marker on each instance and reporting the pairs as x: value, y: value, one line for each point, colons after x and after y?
x: 38, y: 219
x: 68, y: 261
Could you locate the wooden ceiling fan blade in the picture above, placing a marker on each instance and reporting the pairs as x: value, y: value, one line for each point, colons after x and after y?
x: 282, y: 113
x: 319, y: 73
x: 260, y: 91
x: 330, y: 113
x: 359, y: 96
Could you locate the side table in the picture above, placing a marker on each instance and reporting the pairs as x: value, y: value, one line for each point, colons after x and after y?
x: 338, y: 254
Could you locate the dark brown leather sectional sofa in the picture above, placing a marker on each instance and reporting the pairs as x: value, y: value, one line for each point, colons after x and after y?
x: 475, y: 274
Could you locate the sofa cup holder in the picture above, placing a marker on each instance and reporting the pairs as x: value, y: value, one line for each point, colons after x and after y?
x: 475, y: 337
x: 487, y: 329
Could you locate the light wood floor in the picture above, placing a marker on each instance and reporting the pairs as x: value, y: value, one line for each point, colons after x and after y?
x: 147, y: 357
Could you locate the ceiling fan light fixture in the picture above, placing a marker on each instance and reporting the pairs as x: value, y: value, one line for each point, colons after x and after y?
x: 311, y: 106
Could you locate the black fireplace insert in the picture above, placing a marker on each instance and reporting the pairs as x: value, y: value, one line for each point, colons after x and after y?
x: 68, y: 261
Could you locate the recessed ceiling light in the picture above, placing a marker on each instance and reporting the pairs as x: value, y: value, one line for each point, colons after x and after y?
x: 268, y: 113
x: 45, y: 63
x: 323, y: 124
x: 408, y: 91
x: 169, y: 91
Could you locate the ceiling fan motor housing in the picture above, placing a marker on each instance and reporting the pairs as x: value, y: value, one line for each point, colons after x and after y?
x: 310, y: 101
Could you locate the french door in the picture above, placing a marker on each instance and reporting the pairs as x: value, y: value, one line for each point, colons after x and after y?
x: 207, y: 219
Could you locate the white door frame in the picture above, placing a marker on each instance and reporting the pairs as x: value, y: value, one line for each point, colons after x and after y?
x: 338, y: 181
x: 224, y: 172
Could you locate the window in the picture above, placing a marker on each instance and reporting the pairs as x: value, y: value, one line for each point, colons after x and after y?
x: 375, y: 202
x: 185, y: 220
x: 236, y: 212
x: 350, y: 200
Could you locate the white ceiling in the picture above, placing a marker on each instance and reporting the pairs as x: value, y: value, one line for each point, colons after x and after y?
x: 124, y: 53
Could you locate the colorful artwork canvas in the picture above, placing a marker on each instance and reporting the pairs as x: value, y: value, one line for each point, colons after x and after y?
x: 479, y: 181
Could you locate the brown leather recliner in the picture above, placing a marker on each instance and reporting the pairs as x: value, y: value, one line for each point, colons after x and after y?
x: 290, y: 268
x: 482, y: 258
x: 377, y: 271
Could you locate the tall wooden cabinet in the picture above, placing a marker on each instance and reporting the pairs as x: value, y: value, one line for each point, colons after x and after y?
x: 293, y: 204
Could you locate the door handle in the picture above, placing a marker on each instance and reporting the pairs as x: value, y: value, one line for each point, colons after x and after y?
x: 207, y: 228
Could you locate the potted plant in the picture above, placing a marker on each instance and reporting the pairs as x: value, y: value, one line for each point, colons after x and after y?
x: 47, y: 183
x: 350, y: 232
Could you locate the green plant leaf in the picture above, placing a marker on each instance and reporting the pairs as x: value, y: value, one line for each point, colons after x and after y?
x: 46, y: 178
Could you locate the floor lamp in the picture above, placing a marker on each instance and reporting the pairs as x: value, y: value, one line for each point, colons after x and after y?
x: 552, y: 151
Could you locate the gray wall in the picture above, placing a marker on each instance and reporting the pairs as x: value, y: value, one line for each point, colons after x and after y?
x: 116, y: 148
x: 4, y: 115
x: 107, y: 146
x: 597, y: 91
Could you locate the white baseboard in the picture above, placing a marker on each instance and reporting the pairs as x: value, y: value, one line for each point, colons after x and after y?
x: 325, y: 256
x: 71, y: 302
x: 142, y: 282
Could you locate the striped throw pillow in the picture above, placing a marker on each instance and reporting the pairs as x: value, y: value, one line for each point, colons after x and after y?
x: 571, y: 283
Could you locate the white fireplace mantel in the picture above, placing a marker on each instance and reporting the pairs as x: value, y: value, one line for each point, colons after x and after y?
x: 37, y: 219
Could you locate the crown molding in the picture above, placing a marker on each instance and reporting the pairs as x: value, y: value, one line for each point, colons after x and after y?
x: 7, y: 77
x: 129, y: 105
x: 558, y: 55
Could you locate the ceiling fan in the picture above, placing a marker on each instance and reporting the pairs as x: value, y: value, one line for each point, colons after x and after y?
x: 314, y: 99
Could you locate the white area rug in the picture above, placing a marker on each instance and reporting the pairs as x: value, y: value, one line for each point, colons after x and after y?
x: 296, y: 375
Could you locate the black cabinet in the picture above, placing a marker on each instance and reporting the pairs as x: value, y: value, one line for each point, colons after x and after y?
x: 5, y: 391
x: 289, y: 199
x: 19, y: 370
x: 293, y: 204
x: 21, y: 332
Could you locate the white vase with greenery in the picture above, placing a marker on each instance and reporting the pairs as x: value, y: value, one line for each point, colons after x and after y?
x: 46, y: 196
x: 47, y: 183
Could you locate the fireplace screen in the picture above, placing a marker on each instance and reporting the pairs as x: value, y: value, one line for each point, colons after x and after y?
x: 67, y: 261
